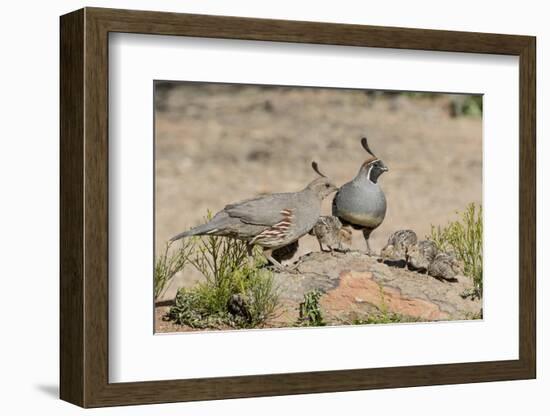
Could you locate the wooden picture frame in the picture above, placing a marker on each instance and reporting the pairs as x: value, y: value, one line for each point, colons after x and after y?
x: 84, y: 207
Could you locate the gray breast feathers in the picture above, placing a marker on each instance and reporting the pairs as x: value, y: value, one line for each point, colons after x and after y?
x: 361, y: 204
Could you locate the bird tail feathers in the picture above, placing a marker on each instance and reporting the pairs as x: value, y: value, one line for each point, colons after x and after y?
x: 182, y: 235
x: 210, y: 227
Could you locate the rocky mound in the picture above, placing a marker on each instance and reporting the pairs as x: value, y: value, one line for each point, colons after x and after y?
x: 355, y: 286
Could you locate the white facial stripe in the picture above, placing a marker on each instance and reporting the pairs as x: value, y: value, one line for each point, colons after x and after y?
x: 371, y: 165
x: 368, y: 173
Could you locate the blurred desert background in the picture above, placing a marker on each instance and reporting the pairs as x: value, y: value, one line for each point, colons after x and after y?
x: 221, y: 143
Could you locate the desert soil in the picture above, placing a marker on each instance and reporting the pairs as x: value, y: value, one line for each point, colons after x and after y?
x: 217, y: 144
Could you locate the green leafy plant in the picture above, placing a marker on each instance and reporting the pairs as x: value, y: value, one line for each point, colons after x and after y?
x: 191, y: 307
x: 310, y: 310
x: 464, y: 238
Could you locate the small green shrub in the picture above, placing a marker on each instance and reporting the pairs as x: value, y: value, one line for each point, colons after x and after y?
x: 310, y: 310
x: 464, y: 238
x: 207, y: 305
x: 191, y: 307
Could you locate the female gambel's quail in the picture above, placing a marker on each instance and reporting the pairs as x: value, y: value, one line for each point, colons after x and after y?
x: 270, y: 221
x: 361, y: 203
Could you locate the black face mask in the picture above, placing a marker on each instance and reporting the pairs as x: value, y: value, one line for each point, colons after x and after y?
x: 375, y: 170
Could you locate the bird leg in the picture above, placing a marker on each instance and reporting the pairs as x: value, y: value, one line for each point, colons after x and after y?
x: 369, y: 250
x: 341, y: 249
x: 278, y: 266
x: 250, y: 254
x: 366, y: 235
x: 274, y: 262
x: 321, y: 247
x: 332, y: 250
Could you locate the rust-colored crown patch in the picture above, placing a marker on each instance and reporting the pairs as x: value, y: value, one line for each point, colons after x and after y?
x: 369, y: 161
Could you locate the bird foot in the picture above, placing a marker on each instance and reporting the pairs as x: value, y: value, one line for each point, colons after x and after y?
x: 372, y: 253
x: 285, y: 269
x: 294, y: 268
x: 275, y: 265
x: 342, y: 250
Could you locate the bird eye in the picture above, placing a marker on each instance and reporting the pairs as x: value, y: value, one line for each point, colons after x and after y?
x: 327, y: 185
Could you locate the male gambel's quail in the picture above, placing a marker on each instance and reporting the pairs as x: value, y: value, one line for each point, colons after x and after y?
x: 361, y: 203
x: 330, y: 232
x: 270, y: 221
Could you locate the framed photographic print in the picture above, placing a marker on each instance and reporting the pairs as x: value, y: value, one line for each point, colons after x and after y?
x: 255, y: 207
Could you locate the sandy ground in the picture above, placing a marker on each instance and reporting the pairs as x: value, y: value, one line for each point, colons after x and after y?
x: 217, y: 144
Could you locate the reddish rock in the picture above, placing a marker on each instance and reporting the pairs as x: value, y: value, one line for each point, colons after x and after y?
x: 357, y: 288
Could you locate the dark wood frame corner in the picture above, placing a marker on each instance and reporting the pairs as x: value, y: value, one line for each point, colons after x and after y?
x: 84, y: 207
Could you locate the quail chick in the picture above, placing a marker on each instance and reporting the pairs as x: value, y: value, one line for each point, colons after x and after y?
x: 444, y: 266
x: 270, y: 221
x: 389, y: 253
x: 398, y: 245
x: 238, y: 306
x: 361, y: 202
x: 330, y: 232
x: 421, y: 255
x: 395, y: 252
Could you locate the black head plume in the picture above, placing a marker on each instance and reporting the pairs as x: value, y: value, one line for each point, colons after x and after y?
x: 366, y: 146
x: 316, y: 169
